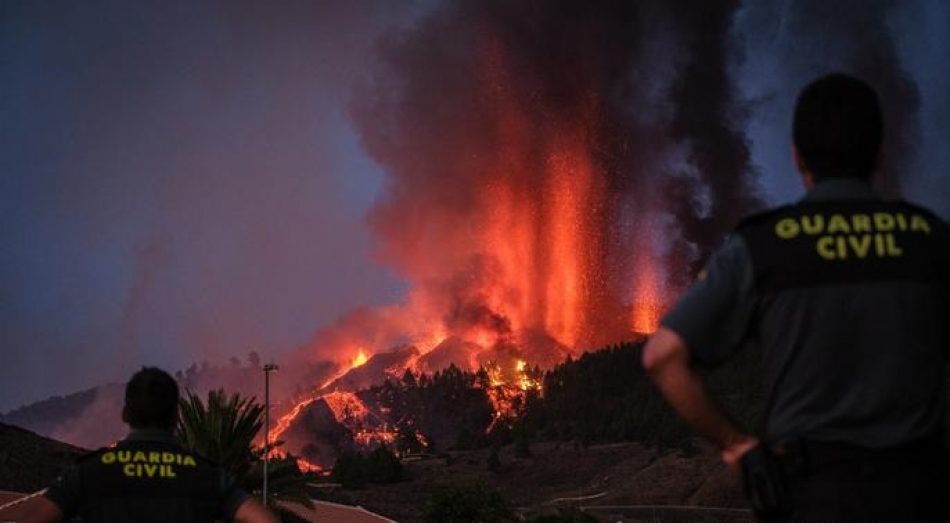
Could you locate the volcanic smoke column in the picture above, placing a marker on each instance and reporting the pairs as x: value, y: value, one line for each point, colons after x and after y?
x: 555, y: 168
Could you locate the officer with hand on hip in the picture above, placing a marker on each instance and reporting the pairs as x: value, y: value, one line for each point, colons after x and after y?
x: 847, y: 296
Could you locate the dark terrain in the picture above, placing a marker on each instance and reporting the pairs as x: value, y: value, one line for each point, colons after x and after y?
x: 28, y: 461
x: 559, y: 478
x: 598, y: 439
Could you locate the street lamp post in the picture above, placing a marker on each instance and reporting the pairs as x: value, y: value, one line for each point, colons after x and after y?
x: 268, y: 368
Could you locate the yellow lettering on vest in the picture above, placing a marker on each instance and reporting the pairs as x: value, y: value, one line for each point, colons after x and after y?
x: 124, y: 456
x: 918, y: 223
x: 150, y: 470
x: 154, y: 457
x: 842, y: 245
x: 108, y: 458
x: 826, y: 247
x: 901, y: 221
x: 189, y: 462
x: 129, y: 470
x: 883, y: 221
x: 168, y: 457
x: 167, y: 471
x: 861, y: 223
x: 879, y: 246
x: 860, y: 245
x: 787, y: 228
x: 813, y: 224
x: 837, y: 223
x: 892, y: 248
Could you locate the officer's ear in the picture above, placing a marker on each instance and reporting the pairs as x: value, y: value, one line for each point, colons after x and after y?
x: 808, y: 178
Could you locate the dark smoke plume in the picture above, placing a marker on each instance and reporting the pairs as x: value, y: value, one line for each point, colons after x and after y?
x: 706, y: 117
x: 480, y: 83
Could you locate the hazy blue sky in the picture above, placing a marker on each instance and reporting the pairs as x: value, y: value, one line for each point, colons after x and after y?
x: 179, y: 180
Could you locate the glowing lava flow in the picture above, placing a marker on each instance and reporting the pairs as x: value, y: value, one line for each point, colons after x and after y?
x: 306, y: 466
x: 346, y: 406
x: 284, y: 422
x: 368, y: 429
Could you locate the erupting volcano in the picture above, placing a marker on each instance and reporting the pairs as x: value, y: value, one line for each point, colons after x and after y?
x: 548, y: 189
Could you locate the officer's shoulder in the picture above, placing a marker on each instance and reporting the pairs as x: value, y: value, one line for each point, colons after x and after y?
x: 92, y: 455
x: 761, y: 218
x: 915, y: 208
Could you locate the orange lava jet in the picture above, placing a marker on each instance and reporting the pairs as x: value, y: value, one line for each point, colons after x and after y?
x: 648, y: 300
x: 546, y: 243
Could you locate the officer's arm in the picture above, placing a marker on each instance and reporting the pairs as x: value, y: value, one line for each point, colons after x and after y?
x: 43, y: 510
x: 253, y: 512
x: 666, y: 359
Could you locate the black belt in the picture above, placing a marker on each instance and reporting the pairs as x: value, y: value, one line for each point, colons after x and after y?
x: 798, y: 456
x: 767, y: 469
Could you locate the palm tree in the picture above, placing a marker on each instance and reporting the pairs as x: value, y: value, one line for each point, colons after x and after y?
x: 223, y: 429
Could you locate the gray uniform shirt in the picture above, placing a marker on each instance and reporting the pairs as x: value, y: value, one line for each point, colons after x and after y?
x: 847, y: 297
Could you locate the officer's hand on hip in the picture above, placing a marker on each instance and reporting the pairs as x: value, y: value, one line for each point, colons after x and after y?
x: 732, y: 454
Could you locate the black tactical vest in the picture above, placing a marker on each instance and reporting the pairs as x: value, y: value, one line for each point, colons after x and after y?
x: 840, y: 243
x: 149, y: 481
x: 852, y: 311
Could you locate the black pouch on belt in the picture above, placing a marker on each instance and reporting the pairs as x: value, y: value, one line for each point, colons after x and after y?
x: 763, y: 481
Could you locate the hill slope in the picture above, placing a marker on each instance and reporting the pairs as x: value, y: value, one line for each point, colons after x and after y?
x: 28, y: 461
x: 556, y: 477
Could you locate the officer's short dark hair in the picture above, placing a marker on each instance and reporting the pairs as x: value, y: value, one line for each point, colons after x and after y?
x: 151, y: 400
x: 838, y: 127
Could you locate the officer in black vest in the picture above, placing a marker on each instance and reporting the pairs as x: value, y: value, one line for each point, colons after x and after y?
x: 148, y: 476
x: 848, y: 297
